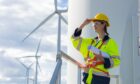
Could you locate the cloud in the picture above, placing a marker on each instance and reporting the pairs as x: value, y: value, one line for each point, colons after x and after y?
x: 10, y: 69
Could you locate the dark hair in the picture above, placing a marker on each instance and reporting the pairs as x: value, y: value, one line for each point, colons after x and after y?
x: 105, y: 28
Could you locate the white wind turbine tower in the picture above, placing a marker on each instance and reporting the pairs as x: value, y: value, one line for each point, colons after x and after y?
x: 27, y: 69
x: 60, y: 17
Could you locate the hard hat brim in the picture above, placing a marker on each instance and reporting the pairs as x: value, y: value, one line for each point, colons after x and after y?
x: 108, y: 24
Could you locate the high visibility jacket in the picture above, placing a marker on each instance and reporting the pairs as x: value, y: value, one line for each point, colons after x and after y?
x: 109, y: 46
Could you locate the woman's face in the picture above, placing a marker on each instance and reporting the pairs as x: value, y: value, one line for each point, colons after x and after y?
x: 98, y: 26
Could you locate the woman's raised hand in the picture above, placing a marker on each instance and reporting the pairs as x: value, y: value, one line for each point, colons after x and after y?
x: 87, y: 21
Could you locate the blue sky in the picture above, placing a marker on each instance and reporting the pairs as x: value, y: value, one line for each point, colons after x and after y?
x: 17, y: 19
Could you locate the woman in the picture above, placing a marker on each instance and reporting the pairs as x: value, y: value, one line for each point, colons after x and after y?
x: 96, y: 69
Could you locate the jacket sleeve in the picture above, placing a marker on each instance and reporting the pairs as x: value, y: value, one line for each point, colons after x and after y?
x: 80, y: 43
x: 113, y: 51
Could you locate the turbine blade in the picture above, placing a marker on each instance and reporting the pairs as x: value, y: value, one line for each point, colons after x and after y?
x: 38, y: 48
x: 64, y: 20
x: 31, y: 65
x: 21, y: 63
x: 45, y: 20
x: 28, y: 56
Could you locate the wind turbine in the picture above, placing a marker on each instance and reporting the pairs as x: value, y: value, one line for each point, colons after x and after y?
x: 36, y: 66
x: 37, y: 63
x: 27, y: 68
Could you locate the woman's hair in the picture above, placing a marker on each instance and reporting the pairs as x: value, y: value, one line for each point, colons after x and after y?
x: 105, y: 27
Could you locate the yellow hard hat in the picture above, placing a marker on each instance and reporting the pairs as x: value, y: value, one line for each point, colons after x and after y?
x: 101, y: 17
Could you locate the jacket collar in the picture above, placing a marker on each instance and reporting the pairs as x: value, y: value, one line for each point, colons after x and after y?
x: 106, y: 37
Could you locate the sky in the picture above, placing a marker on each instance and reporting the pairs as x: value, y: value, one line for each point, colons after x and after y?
x: 17, y: 19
